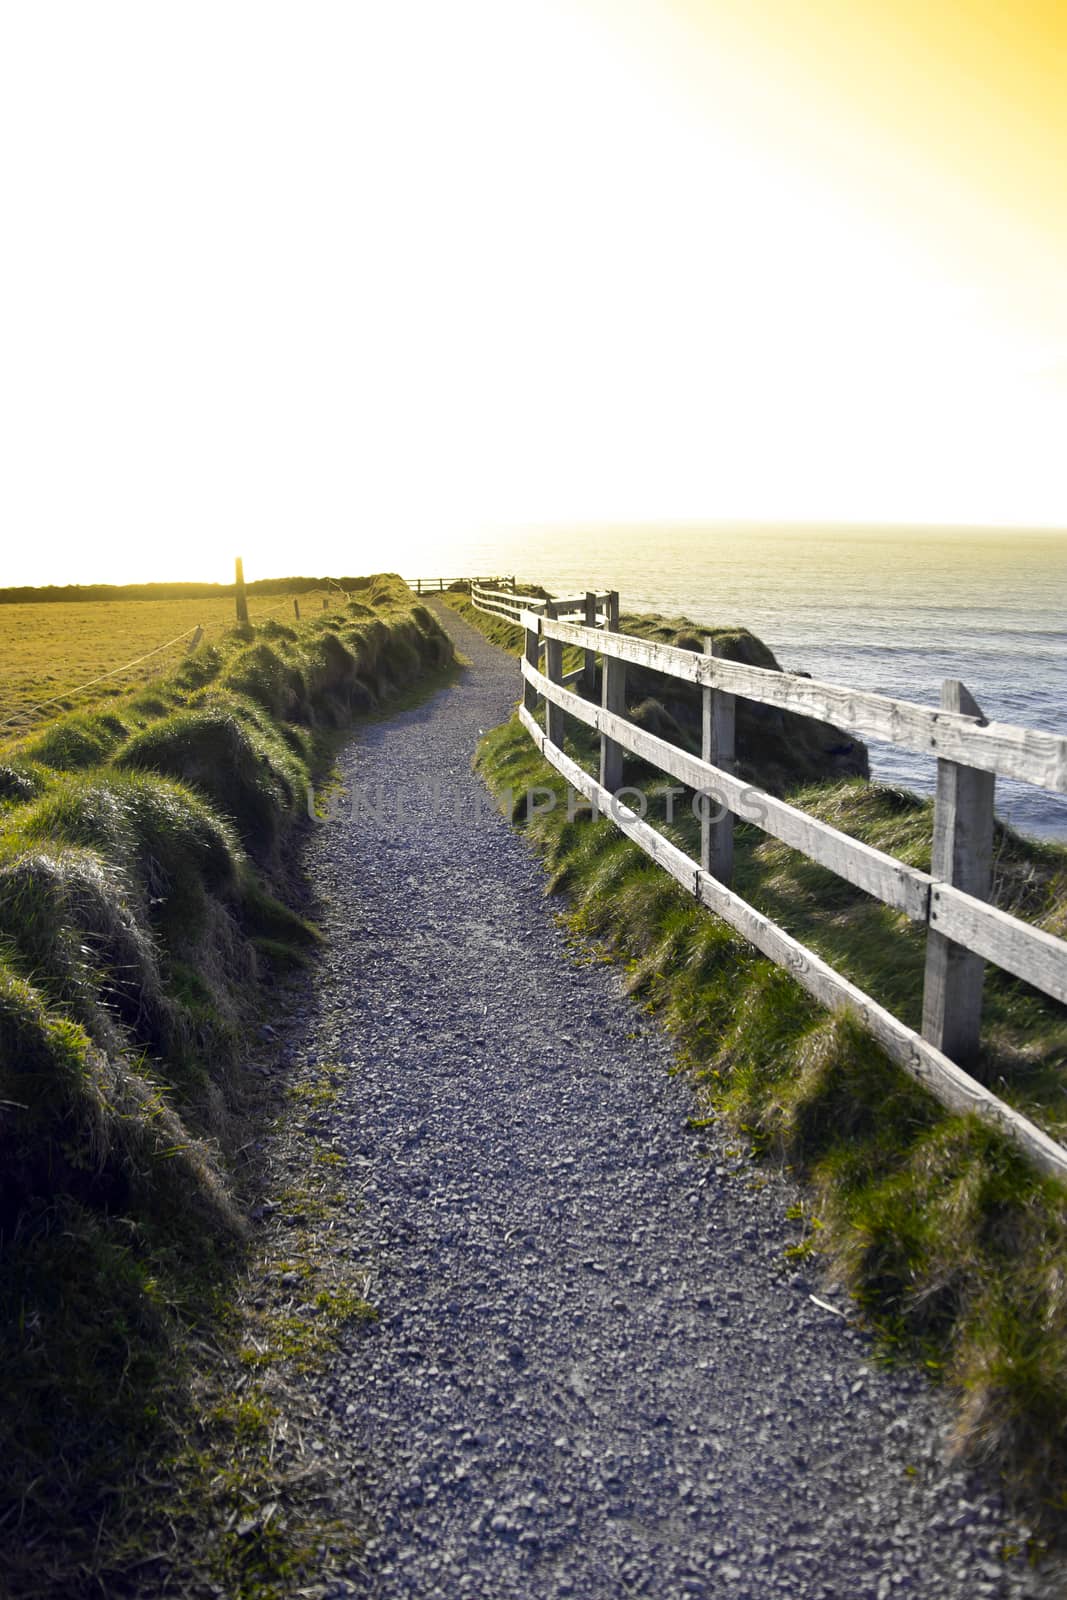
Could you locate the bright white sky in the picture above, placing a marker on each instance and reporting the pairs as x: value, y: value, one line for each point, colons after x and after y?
x: 294, y: 279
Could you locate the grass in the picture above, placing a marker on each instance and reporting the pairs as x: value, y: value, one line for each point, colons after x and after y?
x: 243, y: 1470
x: 146, y: 889
x: 953, y: 1246
x: 47, y: 650
x: 217, y: 1487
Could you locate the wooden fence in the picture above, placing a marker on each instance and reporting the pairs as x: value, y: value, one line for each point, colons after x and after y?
x: 963, y: 929
x: 597, y: 611
x: 432, y: 585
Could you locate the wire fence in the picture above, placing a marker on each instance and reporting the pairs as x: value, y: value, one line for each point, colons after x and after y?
x: 25, y: 717
x: 30, y: 713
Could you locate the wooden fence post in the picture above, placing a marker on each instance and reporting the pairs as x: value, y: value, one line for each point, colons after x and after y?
x: 613, y: 698
x: 326, y: 603
x: 554, y: 718
x: 418, y: 585
x: 717, y: 746
x: 589, y: 667
x: 242, y: 598
x: 962, y: 856
x: 296, y: 609
x: 533, y: 636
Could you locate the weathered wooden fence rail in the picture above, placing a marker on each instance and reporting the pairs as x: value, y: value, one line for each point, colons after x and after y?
x: 499, y: 602
x: 963, y: 929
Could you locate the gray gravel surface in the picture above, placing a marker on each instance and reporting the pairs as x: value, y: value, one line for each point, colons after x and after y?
x: 595, y: 1373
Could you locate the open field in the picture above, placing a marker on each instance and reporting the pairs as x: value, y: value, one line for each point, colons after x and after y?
x: 48, y: 650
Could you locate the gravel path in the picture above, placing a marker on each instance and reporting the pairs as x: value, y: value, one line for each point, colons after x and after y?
x: 594, y: 1374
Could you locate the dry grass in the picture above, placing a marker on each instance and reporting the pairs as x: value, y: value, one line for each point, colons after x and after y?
x: 48, y: 650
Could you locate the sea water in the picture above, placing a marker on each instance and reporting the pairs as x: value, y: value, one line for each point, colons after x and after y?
x: 892, y: 610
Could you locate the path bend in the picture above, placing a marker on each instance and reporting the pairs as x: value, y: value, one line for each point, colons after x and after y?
x: 592, y: 1375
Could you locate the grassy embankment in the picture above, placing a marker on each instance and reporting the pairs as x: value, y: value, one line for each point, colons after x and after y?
x: 953, y: 1247
x: 146, y: 857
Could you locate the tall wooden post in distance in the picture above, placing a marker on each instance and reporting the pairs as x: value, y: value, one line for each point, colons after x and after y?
x: 717, y: 747
x: 533, y: 642
x: 963, y: 856
x: 589, y: 663
x: 242, y: 598
x: 554, y: 672
x: 613, y: 698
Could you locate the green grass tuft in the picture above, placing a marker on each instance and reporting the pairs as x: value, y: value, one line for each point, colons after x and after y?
x: 75, y: 742
x: 217, y: 753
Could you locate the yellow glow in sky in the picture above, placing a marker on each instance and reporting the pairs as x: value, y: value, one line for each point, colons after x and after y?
x: 297, y: 280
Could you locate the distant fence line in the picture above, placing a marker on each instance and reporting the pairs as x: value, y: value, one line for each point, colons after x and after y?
x: 432, y: 585
x: 963, y: 930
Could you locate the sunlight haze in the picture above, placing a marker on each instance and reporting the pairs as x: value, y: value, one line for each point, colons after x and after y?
x: 330, y: 285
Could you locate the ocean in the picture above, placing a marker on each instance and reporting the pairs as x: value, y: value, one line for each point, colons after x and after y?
x: 889, y: 609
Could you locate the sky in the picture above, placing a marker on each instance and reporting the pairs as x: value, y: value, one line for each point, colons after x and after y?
x: 331, y: 285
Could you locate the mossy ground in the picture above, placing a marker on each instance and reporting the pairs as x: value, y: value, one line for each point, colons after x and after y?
x: 953, y: 1246
x: 148, y: 883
